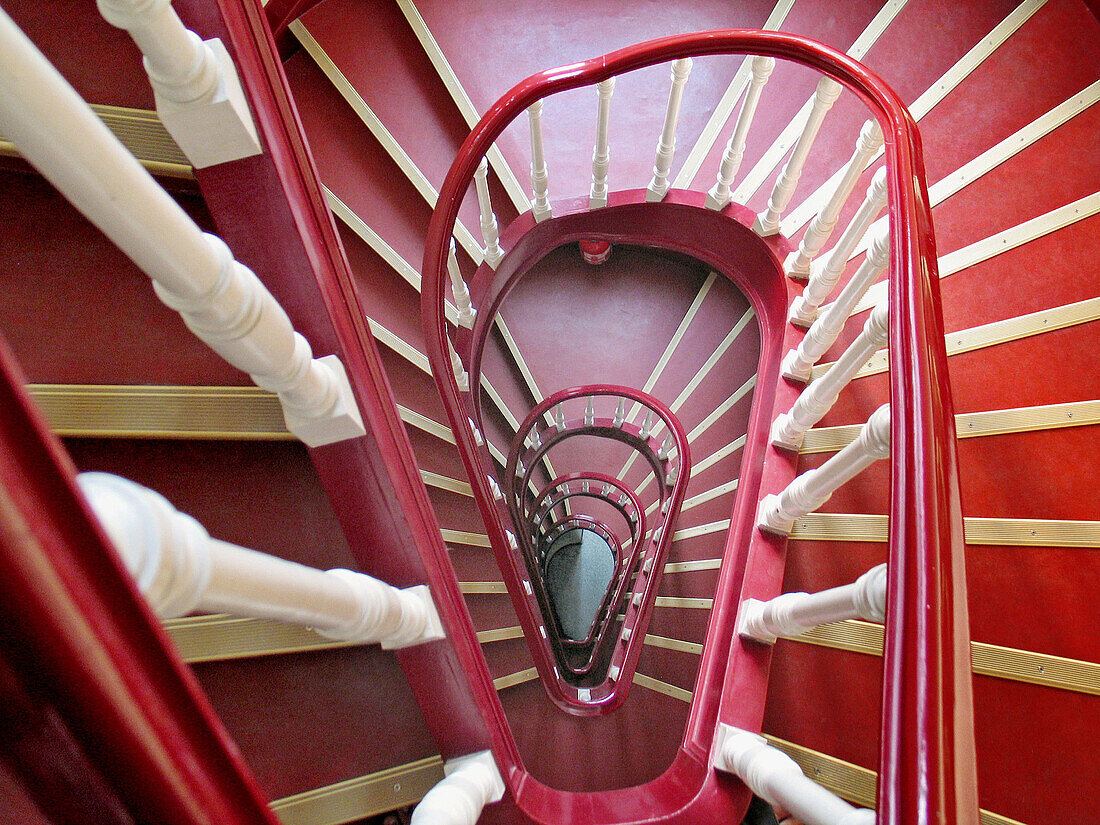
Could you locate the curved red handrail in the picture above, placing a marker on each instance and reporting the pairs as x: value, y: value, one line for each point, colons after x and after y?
x: 927, y: 763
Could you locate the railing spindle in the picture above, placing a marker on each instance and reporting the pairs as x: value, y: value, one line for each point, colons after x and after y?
x: 489, y: 230
x: 826, y: 273
x: 827, y: 328
x: 813, y: 488
x: 666, y: 146
x: 601, y: 154
x: 767, y: 222
x: 469, y: 784
x: 540, y: 203
x: 818, y: 398
x: 461, y: 376
x: 719, y: 195
x: 466, y: 311
x: 868, y: 142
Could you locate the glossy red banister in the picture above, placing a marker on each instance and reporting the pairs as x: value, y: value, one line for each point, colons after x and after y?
x: 927, y: 766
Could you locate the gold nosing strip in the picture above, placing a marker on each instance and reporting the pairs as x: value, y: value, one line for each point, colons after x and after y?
x: 717, y: 456
x: 676, y: 601
x: 1013, y: 532
x: 703, y: 498
x: 996, y: 661
x: 988, y: 335
x: 976, y: 424
x: 673, y: 644
x: 142, y: 133
x: 112, y: 411
x: 689, y: 566
x: 662, y: 687
x: 485, y: 588
x: 714, y: 358
x: 500, y: 634
x: 701, y: 530
x: 852, y: 782
x: 446, y: 483
x: 464, y: 537
x: 518, y: 678
x: 362, y: 797
x: 219, y: 637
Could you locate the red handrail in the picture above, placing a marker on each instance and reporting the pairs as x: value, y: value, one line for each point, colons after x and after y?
x: 927, y: 764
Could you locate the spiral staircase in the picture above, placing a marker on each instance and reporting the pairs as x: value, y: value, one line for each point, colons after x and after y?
x: 624, y: 403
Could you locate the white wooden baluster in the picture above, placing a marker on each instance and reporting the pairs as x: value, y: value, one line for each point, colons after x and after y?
x: 195, y: 84
x: 461, y: 376
x: 767, y: 222
x: 590, y: 412
x: 719, y: 195
x: 792, y: 614
x: 826, y: 329
x: 647, y: 425
x: 620, y: 413
x: 818, y: 398
x: 825, y: 273
x: 666, y: 448
x: 666, y: 146
x: 489, y: 231
x: 180, y: 569
x: 559, y: 418
x: 813, y: 488
x: 469, y: 784
x: 540, y: 203
x: 601, y: 154
x: 466, y: 311
x: 868, y: 143
x: 777, y: 779
x: 220, y: 299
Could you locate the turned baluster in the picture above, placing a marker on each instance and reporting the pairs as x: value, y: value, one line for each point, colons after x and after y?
x: 818, y: 398
x: 825, y: 273
x: 767, y: 222
x: 489, y: 231
x: 461, y: 376
x: 601, y: 154
x: 826, y: 329
x: 719, y: 195
x: 466, y: 311
x: 666, y: 146
x: 813, y: 488
x: 540, y: 203
x: 822, y: 226
x: 469, y: 784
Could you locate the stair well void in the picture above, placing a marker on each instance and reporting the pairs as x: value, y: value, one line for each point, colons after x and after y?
x: 823, y: 690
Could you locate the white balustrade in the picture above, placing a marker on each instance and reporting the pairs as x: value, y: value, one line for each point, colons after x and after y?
x: 469, y: 784
x: 777, y: 779
x: 822, y: 226
x: 666, y: 146
x: 777, y: 512
x: 461, y: 293
x: 767, y: 222
x: 462, y: 378
x: 489, y: 230
x: 180, y: 569
x: 220, y: 299
x: 792, y: 614
x: 601, y: 154
x: 826, y: 272
x: 827, y: 328
x: 540, y: 202
x: 559, y: 418
x: 590, y: 412
x: 789, y: 429
x: 620, y: 413
x: 719, y: 195
x: 195, y: 84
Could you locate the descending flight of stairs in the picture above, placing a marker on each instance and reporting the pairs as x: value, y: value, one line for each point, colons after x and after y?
x: 384, y: 116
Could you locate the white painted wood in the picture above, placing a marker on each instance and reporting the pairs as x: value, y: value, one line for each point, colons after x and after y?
x: 767, y: 222
x: 777, y: 512
x: 180, y: 569
x: 792, y: 614
x: 818, y: 398
x: 540, y: 204
x: 195, y: 84
x: 462, y: 378
x: 469, y: 784
x: 821, y: 229
x: 666, y: 146
x: 719, y: 195
x: 489, y: 231
x: 461, y: 293
x: 601, y: 153
x: 777, y: 779
x: 826, y: 329
x: 220, y: 299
